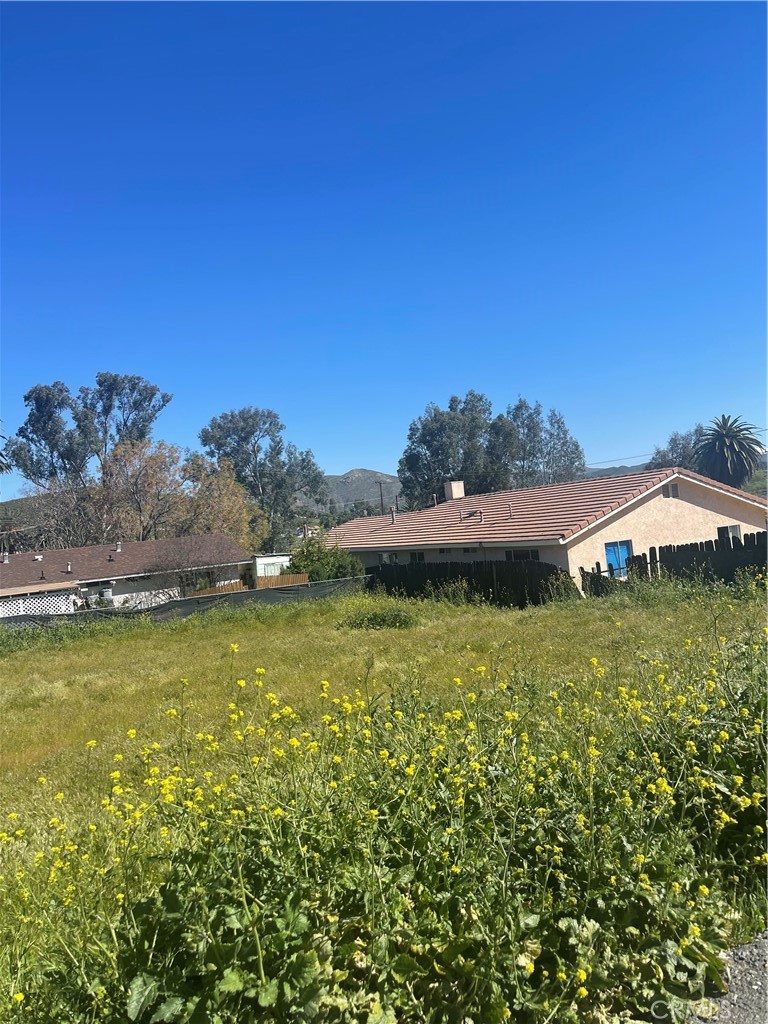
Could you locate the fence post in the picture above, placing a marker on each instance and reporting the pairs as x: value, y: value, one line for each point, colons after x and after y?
x: 654, y: 562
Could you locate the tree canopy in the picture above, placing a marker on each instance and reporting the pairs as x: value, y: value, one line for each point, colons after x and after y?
x: 64, y: 434
x: 519, y: 448
x: 279, y: 477
x: 680, y: 450
x: 321, y: 562
x: 729, y: 450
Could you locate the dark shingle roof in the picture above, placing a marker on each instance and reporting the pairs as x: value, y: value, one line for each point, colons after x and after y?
x: 542, y: 514
x: 136, y: 558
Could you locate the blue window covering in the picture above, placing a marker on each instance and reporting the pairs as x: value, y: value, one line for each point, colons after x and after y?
x: 616, y: 555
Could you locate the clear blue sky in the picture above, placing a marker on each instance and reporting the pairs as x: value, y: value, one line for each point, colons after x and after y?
x: 345, y: 211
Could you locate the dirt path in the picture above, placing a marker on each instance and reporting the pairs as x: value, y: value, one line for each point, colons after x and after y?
x: 746, y: 1002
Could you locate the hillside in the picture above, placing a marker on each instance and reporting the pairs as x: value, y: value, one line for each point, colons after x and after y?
x: 363, y: 485
x: 592, y: 471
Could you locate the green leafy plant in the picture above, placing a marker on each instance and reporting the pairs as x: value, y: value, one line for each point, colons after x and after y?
x: 506, y: 845
x: 321, y: 562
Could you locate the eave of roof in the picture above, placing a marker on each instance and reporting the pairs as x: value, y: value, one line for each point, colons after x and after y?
x: 41, y: 588
x: 162, y: 572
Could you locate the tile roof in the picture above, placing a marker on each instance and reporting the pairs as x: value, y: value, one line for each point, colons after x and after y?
x: 542, y: 514
x: 136, y: 558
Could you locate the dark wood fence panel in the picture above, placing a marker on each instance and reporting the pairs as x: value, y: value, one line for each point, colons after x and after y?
x: 508, y: 584
x: 717, y: 559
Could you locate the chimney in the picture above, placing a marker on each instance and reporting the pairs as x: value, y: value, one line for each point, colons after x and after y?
x: 392, y: 512
x: 454, y: 489
x: 119, y: 546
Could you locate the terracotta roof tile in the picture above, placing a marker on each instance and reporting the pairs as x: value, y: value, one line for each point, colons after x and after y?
x: 136, y: 558
x: 541, y: 514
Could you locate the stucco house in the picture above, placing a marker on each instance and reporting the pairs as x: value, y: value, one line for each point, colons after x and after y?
x: 132, y: 574
x: 604, y: 519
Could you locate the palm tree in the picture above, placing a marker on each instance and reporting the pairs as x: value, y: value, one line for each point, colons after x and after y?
x: 728, y: 451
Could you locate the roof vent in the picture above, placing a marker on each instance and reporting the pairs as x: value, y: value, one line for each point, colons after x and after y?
x: 69, y: 567
x: 454, y: 489
x: 392, y: 512
x: 38, y: 558
x: 6, y: 558
x: 119, y: 546
x: 42, y: 575
x: 111, y: 557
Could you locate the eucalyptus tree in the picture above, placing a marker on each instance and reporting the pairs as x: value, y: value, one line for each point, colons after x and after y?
x: 679, y: 450
x: 518, y: 448
x: 66, y: 436
x: 281, y: 479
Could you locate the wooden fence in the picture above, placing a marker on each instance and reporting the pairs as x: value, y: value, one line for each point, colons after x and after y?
x: 262, y: 583
x: 222, y: 588
x: 508, y: 584
x: 286, y: 580
x: 710, y: 559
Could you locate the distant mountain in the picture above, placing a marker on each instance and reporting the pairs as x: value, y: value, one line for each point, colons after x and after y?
x: 591, y: 471
x: 17, y: 513
x: 363, y: 485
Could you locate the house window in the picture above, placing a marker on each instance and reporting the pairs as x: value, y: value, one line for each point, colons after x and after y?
x: 616, y: 554
x: 728, y: 532
x: 388, y: 558
x: 417, y: 556
x: 522, y: 555
x: 444, y: 551
x: 469, y: 551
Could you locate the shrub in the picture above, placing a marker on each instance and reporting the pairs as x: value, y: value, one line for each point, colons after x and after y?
x: 321, y: 562
x: 380, y: 613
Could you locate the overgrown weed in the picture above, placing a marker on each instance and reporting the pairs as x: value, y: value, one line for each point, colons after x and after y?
x: 547, y: 816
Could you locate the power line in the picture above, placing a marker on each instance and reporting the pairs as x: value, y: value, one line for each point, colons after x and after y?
x: 620, y: 458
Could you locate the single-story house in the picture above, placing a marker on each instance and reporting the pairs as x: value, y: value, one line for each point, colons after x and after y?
x: 133, y: 574
x: 570, y: 525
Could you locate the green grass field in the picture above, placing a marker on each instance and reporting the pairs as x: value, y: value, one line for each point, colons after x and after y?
x: 271, y: 815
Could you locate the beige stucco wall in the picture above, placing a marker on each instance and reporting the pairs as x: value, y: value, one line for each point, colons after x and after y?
x: 654, y: 520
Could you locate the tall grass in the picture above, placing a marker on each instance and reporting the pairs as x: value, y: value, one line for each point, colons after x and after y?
x: 553, y: 815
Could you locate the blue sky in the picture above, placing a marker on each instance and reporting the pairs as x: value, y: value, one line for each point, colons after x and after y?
x: 345, y: 211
